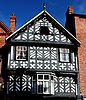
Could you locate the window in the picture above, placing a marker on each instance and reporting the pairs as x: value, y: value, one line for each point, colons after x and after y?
x: 44, y: 30
x: 64, y: 54
x: 44, y: 84
x: 21, y: 53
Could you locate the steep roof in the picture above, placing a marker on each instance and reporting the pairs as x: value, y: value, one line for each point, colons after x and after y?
x: 4, y: 27
x: 41, y: 15
x: 4, y: 32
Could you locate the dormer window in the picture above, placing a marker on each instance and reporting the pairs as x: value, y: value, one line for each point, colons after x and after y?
x: 44, y: 30
x: 64, y: 54
x: 21, y: 53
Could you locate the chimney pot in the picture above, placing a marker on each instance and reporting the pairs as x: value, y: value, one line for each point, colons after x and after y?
x: 70, y: 10
x: 13, y: 14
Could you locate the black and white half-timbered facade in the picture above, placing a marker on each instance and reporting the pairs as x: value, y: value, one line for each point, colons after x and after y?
x: 42, y: 61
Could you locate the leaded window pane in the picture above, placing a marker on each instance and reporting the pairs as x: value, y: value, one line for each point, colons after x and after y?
x: 40, y: 76
x: 46, y: 77
x: 44, y: 84
x: 64, y: 55
x: 34, y: 87
x: 40, y: 87
x: 46, y: 87
x: 21, y: 52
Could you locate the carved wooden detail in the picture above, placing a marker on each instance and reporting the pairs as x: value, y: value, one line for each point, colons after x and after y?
x: 34, y: 33
x: 43, y: 58
x: 61, y: 84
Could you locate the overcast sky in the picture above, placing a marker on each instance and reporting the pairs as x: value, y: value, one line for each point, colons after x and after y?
x: 27, y: 9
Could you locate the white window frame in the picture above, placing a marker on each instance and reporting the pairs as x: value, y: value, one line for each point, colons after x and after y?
x: 21, y: 52
x: 47, y: 84
x: 64, y: 54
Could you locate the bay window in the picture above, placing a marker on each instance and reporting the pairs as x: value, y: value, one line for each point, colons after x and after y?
x: 43, y: 84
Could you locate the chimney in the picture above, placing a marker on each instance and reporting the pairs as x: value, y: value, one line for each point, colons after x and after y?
x: 12, y: 23
x: 70, y: 10
x: 69, y: 25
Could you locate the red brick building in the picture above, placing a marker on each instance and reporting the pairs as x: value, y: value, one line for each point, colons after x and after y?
x: 76, y: 24
x: 4, y: 33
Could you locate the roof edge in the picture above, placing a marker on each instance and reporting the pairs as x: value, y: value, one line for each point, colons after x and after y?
x: 25, y: 24
x: 64, y: 28
x: 6, y: 28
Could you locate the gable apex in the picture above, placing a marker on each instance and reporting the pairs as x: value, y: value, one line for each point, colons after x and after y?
x: 25, y: 24
x: 49, y: 16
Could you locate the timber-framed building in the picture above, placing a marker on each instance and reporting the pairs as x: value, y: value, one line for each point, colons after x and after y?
x: 41, y: 61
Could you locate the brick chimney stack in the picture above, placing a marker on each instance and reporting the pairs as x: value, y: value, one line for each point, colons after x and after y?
x: 69, y: 25
x: 13, y: 23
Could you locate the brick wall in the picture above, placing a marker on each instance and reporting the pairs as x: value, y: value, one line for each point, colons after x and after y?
x: 4, y: 33
x: 76, y: 24
x: 80, y: 26
x: 2, y: 43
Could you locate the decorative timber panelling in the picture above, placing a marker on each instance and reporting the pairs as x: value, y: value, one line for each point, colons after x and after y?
x: 34, y: 33
x: 23, y: 83
x: 42, y: 58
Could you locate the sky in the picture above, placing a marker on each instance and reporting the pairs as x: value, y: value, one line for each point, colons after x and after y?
x: 25, y: 10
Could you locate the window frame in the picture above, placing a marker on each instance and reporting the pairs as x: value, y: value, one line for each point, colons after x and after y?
x: 16, y: 55
x: 43, y: 81
x: 46, y: 83
x: 64, y: 55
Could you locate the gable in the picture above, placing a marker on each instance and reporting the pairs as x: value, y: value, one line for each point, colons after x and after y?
x: 35, y: 33
x: 43, y: 28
